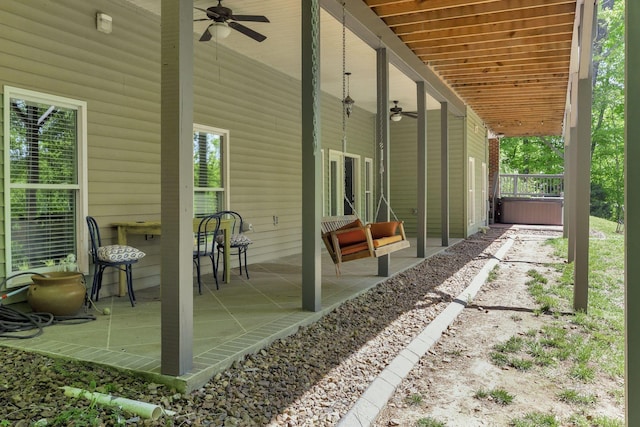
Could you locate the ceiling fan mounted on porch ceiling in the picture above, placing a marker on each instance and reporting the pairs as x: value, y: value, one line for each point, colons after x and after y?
x: 224, y: 20
x: 397, y: 113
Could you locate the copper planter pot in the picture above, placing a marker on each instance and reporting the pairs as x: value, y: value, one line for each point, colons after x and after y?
x: 60, y: 293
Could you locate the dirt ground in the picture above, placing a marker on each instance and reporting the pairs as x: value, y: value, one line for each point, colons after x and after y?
x: 443, y: 385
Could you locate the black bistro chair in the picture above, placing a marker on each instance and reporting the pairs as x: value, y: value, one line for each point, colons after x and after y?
x: 238, y: 241
x: 204, y: 245
x: 117, y: 256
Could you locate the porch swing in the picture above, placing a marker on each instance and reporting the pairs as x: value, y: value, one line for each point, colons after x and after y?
x: 346, y: 237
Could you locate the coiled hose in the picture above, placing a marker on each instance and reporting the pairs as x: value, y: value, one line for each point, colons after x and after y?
x: 13, y: 321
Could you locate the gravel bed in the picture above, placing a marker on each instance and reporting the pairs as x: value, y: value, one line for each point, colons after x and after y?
x: 310, y: 378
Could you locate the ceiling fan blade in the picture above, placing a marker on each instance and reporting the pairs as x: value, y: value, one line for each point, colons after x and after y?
x: 206, y: 36
x: 412, y: 114
x: 247, y: 31
x: 203, y: 19
x: 252, y: 18
x: 211, y: 14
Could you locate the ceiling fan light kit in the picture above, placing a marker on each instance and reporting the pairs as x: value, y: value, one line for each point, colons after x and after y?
x: 397, y: 113
x: 220, y: 30
x: 223, y: 21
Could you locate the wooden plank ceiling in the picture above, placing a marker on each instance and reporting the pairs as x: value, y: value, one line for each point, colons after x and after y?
x: 507, y: 59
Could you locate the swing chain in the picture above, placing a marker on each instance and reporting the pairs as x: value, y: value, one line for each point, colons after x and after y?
x: 344, y: 76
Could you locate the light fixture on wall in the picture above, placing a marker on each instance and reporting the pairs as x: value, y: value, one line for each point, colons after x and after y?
x: 104, y: 23
x: 220, y: 30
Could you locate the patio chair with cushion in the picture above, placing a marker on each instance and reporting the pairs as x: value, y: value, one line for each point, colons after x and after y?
x: 239, y: 242
x: 204, y: 245
x: 118, y: 256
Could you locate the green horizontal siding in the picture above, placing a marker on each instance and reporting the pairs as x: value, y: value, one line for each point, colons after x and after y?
x: 53, y: 47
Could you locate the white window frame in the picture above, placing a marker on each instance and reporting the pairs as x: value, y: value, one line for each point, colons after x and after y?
x: 471, y: 182
x: 369, y: 184
x: 82, y: 209
x: 324, y: 186
x: 485, y: 200
x: 338, y: 157
x: 224, y: 145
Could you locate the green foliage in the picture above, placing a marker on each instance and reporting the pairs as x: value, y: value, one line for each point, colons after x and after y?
x: 481, y: 394
x: 498, y: 395
x: 574, y: 397
x: 607, y: 127
x: 544, y: 155
x: 88, y: 417
x: 512, y: 345
x: 493, y: 274
x: 414, y: 399
x: 536, y: 419
x: 533, y: 155
x: 501, y: 396
x: 429, y: 422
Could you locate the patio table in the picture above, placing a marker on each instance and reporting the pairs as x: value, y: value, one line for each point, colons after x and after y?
x: 153, y: 228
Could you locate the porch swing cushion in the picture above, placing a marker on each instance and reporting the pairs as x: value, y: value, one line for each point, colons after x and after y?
x: 384, y: 229
x: 354, y: 236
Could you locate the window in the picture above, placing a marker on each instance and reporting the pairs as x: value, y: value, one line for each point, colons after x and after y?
x: 210, y: 171
x: 344, y: 183
x: 471, y: 201
x: 45, y: 179
x: 485, y: 200
x: 368, y: 189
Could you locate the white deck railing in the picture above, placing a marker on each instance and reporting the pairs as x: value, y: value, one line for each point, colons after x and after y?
x: 531, y: 185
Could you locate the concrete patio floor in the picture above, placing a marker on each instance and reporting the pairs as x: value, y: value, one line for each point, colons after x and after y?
x: 242, y: 317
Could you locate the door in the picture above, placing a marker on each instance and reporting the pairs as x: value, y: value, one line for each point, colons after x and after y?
x: 344, y: 183
x: 349, y: 199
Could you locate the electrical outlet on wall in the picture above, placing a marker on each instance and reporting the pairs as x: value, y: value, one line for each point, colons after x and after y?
x: 275, y: 220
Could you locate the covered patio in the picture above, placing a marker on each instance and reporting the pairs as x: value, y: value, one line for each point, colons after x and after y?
x: 242, y: 317
x: 469, y: 57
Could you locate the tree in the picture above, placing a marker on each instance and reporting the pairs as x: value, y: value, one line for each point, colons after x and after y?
x: 607, y: 127
x: 544, y: 155
x: 536, y: 155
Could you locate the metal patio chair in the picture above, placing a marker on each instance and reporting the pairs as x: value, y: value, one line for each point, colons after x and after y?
x: 239, y: 242
x: 117, y: 256
x: 205, y: 244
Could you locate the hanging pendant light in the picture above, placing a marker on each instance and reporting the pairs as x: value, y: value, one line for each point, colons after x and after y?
x: 348, y: 101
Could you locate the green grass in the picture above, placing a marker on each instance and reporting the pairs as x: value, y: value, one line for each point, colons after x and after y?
x: 429, y: 422
x: 501, y: 396
x: 414, y: 399
x: 580, y: 347
x: 481, y: 394
x: 573, y: 397
x: 512, y: 345
x: 536, y: 419
x: 493, y: 274
x: 498, y: 395
x: 580, y: 420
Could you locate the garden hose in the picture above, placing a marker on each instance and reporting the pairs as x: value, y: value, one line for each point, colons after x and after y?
x: 13, y: 321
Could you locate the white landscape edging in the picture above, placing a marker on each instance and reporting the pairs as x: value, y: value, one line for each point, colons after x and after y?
x: 367, y: 408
